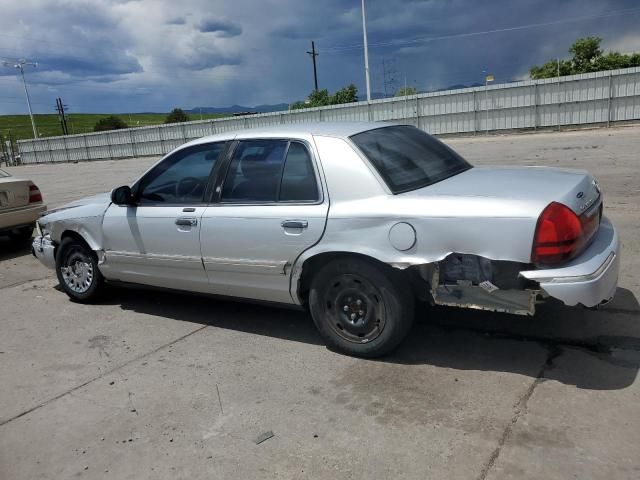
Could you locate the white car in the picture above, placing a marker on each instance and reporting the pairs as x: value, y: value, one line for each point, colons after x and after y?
x: 354, y: 221
x: 20, y: 206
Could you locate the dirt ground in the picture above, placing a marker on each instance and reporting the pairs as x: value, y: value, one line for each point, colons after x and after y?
x: 157, y: 385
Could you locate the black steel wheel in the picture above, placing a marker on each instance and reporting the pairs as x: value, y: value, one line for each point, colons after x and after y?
x: 359, y: 307
x: 354, y: 308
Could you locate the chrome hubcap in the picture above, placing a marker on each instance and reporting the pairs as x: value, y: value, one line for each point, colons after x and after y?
x: 77, y: 273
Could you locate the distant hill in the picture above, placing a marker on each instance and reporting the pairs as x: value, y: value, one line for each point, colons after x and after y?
x: 278, y: 107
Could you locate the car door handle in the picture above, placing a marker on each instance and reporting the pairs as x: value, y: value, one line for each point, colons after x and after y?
x: 187, y: 221
x: 295, y: 224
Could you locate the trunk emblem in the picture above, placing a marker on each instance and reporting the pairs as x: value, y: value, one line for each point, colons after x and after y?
x: 580, y: 194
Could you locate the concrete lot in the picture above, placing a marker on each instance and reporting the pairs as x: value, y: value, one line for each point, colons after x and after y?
x: 157, y: 385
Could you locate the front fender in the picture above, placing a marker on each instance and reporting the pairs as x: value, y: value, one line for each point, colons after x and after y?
x: 89, y: 228
x: 85, y: 220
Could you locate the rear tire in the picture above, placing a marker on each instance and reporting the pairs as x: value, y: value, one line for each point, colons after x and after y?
x: 77, y: 271
x: 21, y: 235
x: 361, y: 308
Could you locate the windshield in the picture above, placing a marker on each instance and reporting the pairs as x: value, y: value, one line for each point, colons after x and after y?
x: 408, y: 158
x: 3, y: 174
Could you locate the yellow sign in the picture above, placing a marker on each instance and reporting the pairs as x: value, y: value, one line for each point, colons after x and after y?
x: 489, y: 78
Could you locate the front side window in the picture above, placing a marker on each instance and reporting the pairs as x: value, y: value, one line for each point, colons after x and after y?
x: 408, y: 158
x: 268, y: 171
x: 181, y: 178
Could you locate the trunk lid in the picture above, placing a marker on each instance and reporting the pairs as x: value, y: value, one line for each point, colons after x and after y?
x: 535, y: 185
x: 14, y: 193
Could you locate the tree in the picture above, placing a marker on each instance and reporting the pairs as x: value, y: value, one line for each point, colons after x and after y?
x: 321, y: 98
x: 404, y: 91
x: 587, y: 56
x: 348, y: 94
x: 585, y: 52
x: 177, y: 115
x: 109, y: 123
x: 318, y: 98
x: 550, y: 69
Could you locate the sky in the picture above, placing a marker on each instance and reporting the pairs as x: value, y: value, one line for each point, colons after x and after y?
x: 118, y: 56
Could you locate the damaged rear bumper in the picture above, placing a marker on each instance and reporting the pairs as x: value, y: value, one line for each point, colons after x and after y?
x: 590, y: 279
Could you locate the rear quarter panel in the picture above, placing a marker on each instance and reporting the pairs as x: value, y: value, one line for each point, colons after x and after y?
x: 362, y: 212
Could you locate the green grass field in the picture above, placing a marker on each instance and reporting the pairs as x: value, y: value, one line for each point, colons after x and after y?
x: 49, y: 126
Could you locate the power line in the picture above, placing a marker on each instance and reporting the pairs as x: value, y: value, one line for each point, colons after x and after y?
x: 337, y: 48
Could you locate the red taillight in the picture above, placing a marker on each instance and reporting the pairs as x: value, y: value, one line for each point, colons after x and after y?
x: 561, y: 234
x: 34, y: 194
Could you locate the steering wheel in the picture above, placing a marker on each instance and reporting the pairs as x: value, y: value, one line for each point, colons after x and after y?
x: 187, y: 186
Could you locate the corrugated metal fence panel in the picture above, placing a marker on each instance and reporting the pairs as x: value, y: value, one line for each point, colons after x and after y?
x: 197, y: 130
x: 598, y: 97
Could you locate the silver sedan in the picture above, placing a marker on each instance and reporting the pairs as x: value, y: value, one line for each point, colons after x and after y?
x: 355, y: 222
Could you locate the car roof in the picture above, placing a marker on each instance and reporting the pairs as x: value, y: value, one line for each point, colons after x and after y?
x: 296, y: 130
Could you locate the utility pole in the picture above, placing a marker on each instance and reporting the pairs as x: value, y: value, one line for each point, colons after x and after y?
x: 366, y: 53
x: 20, y: 64
x: 314, y: 54
x: 60, y: 108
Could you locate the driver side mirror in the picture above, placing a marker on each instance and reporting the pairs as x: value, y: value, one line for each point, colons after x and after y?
x: 122, y: 196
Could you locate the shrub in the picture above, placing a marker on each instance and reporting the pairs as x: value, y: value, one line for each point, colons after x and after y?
x: 176, y: 115
x: 109, y: 123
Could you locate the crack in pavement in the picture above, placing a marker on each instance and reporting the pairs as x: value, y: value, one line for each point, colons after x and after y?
x: 17, y: 284
x: 519, y: 410
x: 98, y: 377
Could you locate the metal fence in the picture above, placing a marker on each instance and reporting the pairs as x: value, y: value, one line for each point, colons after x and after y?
x: 600, y: 97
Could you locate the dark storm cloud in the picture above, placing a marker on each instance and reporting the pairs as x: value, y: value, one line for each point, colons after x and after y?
x: 83, y: 41
x: 220, y: 26
x: 248, y: 52
x: 111, y: 62
x: 206, y: 60
x: 438, y: 44
x: 176, y: 21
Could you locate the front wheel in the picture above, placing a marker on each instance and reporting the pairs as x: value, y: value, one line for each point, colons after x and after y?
x: 361, y: 308
x: 77, y: 271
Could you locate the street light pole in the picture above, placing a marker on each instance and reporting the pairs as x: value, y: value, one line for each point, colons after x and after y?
x: 366, y: 53
x: 20, y: 66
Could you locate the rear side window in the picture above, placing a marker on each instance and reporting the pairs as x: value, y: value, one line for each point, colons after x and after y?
x: 268, y: 171
x: 298, y: 177
x: 408, y: 158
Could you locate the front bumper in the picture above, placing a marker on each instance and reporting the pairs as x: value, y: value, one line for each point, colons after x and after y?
x: 44, y: 250
x: 590, y: 279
